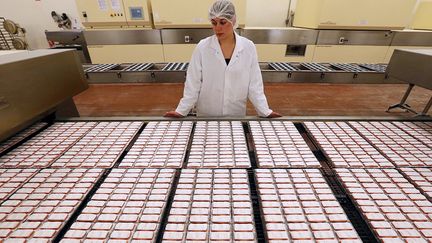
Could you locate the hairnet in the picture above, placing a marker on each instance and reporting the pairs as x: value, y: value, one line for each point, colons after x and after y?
x: 223, y: 9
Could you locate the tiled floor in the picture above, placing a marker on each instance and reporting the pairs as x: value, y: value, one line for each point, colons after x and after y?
x: 288, y: 99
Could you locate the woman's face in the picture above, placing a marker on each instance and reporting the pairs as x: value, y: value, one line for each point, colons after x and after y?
x: 222, y: 28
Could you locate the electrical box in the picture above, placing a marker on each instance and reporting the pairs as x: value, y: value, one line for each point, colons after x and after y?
x: 423, y: 17
x: 114, y: 13
x: 354, y: 14
x: 189, y: 13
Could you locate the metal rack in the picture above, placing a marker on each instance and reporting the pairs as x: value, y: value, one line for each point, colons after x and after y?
x: 283, y: 66
x: 5, y: 37
x: 139, y: 67
x: 176, y: 66
x: 102, y: 67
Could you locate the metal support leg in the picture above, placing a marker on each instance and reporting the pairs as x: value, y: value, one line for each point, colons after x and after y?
x: 427, y: 107
x: 402, y: 104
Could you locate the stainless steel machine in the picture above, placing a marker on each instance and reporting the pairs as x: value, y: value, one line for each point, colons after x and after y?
x: 69, y: 39
x: 415, y: 68
x: 36, y: 83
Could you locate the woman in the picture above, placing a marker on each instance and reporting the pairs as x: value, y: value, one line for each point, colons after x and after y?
x: 223, y: 72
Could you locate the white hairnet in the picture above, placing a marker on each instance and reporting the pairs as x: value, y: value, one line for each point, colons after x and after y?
x: 223, y: 9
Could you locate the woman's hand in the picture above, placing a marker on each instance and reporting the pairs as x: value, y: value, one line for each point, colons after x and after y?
x: 274, y: 115
x: 173, y: 114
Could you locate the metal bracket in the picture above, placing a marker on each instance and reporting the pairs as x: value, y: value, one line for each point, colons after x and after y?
x: 402, y: 105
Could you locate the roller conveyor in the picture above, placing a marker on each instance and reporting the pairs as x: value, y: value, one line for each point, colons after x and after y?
x: 228, y: 197
x: 349, y: 67
x: 101, y: 67
x: 374, y: 67
x: 316, y: 67
x: 282, y: 66
x: 271, y: 72
x: 138, y: 67
x: 176, y: 66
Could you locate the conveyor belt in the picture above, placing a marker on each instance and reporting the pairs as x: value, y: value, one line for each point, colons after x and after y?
x: 299, y: 205
x: 21, y: 136
x: 421, y: 178
x: 345, y: 147
x: 12, y: 180
x: 282, y: 66
x: 102, y: 67
x: 280, y: 145
x: 375, y: 67
x: 393, y: 207
x: 160, y: 145
x: 138, y: 67
x: 219, y: 145
x: 42, y: 206
x: 127, y: 206
x: 176, y: 66
x: 218, y: 200
x: 211, y: 205
x: 398, y: 146
x: 316, y: 67
x: 100, y: 147
x: 43, y: 149
x: 420, y: 131
x: 348, y: 67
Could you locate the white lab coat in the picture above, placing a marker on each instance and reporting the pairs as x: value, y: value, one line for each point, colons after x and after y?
x: 218, y: 89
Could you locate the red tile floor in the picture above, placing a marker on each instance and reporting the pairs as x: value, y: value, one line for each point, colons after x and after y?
x: 288, y: 99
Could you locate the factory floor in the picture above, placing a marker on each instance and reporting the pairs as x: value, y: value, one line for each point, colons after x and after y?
x: 287, y: 99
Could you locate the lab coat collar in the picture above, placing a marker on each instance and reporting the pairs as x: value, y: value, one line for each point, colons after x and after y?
x: 214, y: 44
